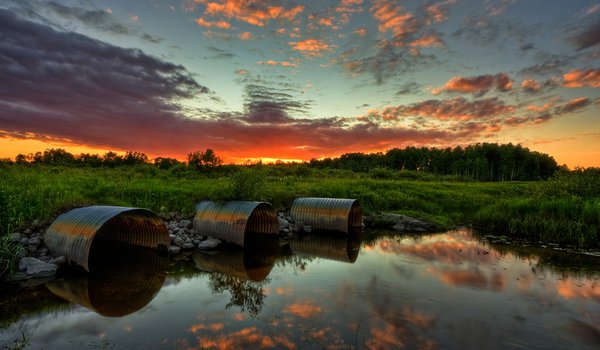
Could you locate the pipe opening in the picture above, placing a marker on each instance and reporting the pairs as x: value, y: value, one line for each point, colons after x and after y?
x: 134, y: 228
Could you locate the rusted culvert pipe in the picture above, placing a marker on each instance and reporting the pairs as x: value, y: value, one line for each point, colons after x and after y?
x: 73, y: 233
x: 231, y: 221
x: 334, y: 214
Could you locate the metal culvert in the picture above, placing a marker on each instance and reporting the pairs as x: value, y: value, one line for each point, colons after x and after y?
x: 122, y: 279
x: 335, y: 214
x: 73, y: 233
x: 332, y: 247
x: 230, y: 221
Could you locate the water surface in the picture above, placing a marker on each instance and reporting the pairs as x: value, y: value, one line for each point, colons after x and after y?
x: 446, y: 291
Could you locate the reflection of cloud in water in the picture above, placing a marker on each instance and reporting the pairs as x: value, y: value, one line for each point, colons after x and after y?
x: 304, y: 309
x: 471, y: 277
x: 247, y: 338
x: 570, y: 289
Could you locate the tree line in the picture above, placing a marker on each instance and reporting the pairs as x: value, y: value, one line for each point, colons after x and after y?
x: 480, y: 162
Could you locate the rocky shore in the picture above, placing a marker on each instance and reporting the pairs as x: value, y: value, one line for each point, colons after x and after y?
x: 36, y: 261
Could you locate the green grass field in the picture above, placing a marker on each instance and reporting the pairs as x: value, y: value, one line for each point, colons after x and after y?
x: 565, y: 208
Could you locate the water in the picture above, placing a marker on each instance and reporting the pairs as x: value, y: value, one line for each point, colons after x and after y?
x: 446, y: 291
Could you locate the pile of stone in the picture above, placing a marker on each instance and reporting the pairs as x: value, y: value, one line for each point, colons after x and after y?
x: 184, y: 237
x: 287, y: 225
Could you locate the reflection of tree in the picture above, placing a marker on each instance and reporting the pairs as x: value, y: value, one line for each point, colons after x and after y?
x: 245, y: 294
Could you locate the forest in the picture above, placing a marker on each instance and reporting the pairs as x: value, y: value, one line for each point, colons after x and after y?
x: 479, y: 162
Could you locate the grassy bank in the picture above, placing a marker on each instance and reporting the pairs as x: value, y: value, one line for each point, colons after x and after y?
x: 566, y: 208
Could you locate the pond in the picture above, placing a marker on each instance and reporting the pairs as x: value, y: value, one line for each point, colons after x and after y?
x: 449, y: 291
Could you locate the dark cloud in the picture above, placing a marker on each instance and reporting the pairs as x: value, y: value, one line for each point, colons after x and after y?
x: 588, y: 37
x: 573, y: 105
x: 407, y: 88
x: 384, y: 62
x: 267, y: 105
x: 93, y: 18
x: 483, y: 30
x: 218, y: 54
x: 553, y: 66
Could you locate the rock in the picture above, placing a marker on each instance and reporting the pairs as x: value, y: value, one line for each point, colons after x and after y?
x: 281, y: 214
x: 172, y: 237
x: 307, y: 229
x: 35, y: 268
x: 191, y: 232
x: 401, y: 223
x: 36, y: 242
x: 174, y: 249
x: 209, y: 243
x: 24, y: 241
x: 185, y: 224
x: 297, y: 227
x: 178, y: 241
x: 16, y: 237
x: 289, y: 218
x: 60, y: 261
x: 283, y: 223
x: 27, y: 232
x: 285, y: 230
x: 188, y: 246
x: 31, y: 249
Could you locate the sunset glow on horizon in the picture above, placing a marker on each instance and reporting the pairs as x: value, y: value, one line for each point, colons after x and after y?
x: 294, y: 80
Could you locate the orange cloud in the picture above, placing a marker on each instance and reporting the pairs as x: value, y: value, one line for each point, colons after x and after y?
x: 582, y: 78
x: 304, y: 309
x: 543, y: 108
x: 477, y: 85
x: 328, y: 22
x: 531, y: 85
x: 251, y: 11
x: 393, y: 18
x: 246, y: 36
x: 135, y: 18
x: 450, y: 109
x: 277, y: 63
x: 438, y: 12
x: 215, y: 24
x: 310, y: 47
x: 428, y: 41
x: 361, y: 31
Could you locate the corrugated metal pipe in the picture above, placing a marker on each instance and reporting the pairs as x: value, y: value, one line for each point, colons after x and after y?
x: 231, y: 221
x: 335, y: 214
x: 75, y: 233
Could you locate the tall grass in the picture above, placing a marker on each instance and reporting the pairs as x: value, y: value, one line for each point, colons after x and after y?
x: 555, y: 210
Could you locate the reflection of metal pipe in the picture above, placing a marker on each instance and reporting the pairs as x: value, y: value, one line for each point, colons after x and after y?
x: 253, y: 262
x: 229, y: 221
x: 73, y: 232
x: 335, y: 214
x: 122, y: 279
x: 327, y: 246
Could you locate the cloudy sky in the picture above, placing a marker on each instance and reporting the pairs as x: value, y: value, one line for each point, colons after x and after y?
x: 295, y: 80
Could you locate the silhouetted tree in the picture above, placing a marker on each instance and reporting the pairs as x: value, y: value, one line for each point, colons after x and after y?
x: 203, y: 161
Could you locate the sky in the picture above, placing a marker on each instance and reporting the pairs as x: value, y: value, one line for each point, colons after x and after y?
x: 296, y: 80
